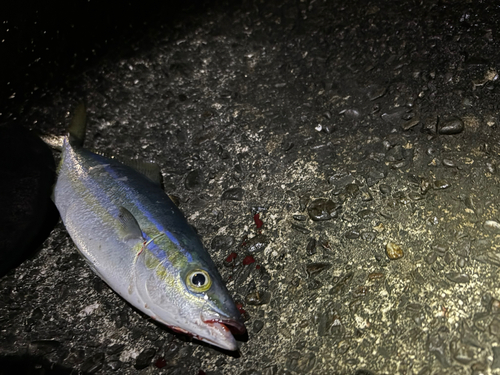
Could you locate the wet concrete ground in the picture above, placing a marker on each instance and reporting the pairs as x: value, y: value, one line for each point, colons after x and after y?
x: 362, y: 136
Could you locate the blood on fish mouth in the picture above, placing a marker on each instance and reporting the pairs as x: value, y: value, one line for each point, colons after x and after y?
x: 233, y: 326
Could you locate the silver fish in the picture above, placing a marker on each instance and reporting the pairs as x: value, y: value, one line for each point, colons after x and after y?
x: 136, y: 239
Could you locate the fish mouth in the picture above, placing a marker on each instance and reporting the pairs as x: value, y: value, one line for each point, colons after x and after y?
x: 223, y: 330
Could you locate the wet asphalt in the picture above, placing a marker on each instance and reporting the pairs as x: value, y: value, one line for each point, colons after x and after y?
x: 339, y: 159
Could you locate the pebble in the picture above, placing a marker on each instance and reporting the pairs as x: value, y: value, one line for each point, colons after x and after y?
x: 256, y: 244
x: 456, y: 277
x: 492, y: 226
x: 375, y: 91
x: 368, y: 236
x: 299, y: 217
x: 394, y: 154
x: 114, y: 365
x: 115, y: 349
x: 313, y: 269
x: 366, y: 196
x: 322, y: 209
x: 311, y: 246
x: 314, y: 284
x: 222, y: 242
x: 394, y: 116
x: 415, y: 196
x: 494, y: 305
x: 449, y: 163
x: 452, y: 126
x: 441, y: 184
x: 438, y: 345
x: 492, y: 168
x: 193, y: 180
x: 257, y: 326
x: 144, y: 358
x: 352, y: 234
x: 373, y: 177
x: 496, y: 357
x: 233, y: 194
x: 342, y: 284
x: 411, y: 123
x: 258, y: 298
x: 365, y: 213
x: 340, y: 181
x: 385, y: 189
x: 300, y: 229
x: 393, y: 251
x: 425, y: 186
x: 352, y: 189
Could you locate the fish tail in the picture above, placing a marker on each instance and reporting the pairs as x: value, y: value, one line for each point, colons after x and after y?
x: 76, y: 129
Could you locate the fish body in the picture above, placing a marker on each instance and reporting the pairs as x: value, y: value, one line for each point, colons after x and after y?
x: 137, y: 240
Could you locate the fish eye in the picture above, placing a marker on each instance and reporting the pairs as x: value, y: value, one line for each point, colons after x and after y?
x: 198, y: 281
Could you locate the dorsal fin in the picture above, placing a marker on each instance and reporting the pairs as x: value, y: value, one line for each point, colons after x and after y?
x: 149, y: 169
x: 76, y: 129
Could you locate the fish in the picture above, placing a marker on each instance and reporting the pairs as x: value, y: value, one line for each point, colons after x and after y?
x: 137, y: 240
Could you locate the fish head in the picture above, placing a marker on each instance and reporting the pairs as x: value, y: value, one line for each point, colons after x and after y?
x: 211, y: 306
x: 191, y: 298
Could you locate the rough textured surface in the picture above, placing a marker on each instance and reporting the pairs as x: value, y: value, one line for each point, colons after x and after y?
x: 307, y: 135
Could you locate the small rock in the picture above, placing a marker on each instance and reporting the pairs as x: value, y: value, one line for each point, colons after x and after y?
x: 496, y: 357
x: 222, y: 242
x: 114, y: 365
x: 233, y: 194
x: 300, y: 229
x: 352, y: 234
x: 365, y: 213
x: 339, y: 182
x: 415, y: 196
x: 144, y: 358
x: 385, y: 189
x: 492, y: 226
x: 322, y: 209
x: 411, y: 123
x: 257, y: 326
x: 258, y: 298
x: 193, y: 180
x: 352, y: 190
x: 449, y: 163
x: 311, y: 246
x: 456, y: 277
x: 452, y: 126
x: 256, y: 244
x: 313, y: 269
x: 441, y: 184
x: 393, y: 251
x: 368, y: 236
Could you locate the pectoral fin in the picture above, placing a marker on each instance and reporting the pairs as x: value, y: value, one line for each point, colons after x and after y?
x: 129, y: 227
x: 148, y: 169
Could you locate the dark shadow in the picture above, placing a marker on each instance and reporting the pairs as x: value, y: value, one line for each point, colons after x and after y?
x: 51, y: 44
x: 27, y: 171
x: 31, y: 365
